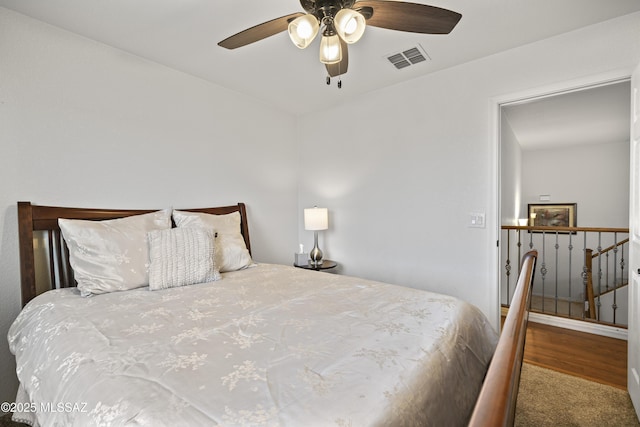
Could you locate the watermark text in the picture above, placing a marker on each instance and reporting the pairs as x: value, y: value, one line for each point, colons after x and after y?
x: 43, y: 407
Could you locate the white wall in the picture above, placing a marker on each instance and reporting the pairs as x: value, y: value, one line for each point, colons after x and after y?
x: 405, y: 165
x: 510, y: 193
x: 82, y: 124
x: 596, y: 177
x: 510, y: 175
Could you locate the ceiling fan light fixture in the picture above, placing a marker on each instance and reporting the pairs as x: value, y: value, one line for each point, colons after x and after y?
x: 303, y: 30
x: 330, y: 49
x: 343, y: 22
x: 350, y: 25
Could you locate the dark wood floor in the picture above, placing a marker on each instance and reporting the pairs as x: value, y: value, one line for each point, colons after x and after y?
x: 593, y: 357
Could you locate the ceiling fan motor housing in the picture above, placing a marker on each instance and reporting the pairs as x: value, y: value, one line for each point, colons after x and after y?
x: 325, y: 8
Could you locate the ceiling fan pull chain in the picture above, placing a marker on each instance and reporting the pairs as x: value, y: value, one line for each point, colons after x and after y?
x: 339, y: 83
x: 328, y: 80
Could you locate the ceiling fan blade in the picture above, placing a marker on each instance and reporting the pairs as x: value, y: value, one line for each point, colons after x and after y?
x: 259, y: 32
x: 410, y: 17
x: 341, y: 67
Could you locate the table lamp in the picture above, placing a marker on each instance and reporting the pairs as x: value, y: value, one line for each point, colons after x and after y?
x: 316, y: 219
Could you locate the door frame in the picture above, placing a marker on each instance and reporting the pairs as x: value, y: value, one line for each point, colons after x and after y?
x: 633, y: 343
x: 496, y: 103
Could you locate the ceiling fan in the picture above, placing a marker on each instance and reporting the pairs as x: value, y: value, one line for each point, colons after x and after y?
x: 343, y: 22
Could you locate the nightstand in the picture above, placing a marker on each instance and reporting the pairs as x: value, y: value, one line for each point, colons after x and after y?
x: 327, y: 264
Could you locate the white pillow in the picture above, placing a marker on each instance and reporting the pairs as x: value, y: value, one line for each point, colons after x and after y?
x: 231, y: 249
x: 111, y: 255
x: 180, y: 257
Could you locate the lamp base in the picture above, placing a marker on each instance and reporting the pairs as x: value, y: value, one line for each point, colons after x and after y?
x: 315, y: 256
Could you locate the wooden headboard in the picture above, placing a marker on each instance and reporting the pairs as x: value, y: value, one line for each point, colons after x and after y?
x: 33, y: 219
x: 496, y: 404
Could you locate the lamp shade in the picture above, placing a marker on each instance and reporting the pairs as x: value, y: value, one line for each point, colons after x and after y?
x: 316, y: 219
x: 350, y: 25
x: 330, y: 49
x: 303, y: 30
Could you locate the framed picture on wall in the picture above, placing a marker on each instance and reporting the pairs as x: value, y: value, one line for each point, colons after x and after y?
x: 553, y: 215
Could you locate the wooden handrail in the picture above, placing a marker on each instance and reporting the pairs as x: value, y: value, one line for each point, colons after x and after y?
x: 565, y: 229
x: 610, y: 248
x: 496, y: 402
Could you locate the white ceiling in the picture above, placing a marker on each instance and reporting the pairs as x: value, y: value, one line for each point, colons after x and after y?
x: 597, y: 115
x: 183, y: 34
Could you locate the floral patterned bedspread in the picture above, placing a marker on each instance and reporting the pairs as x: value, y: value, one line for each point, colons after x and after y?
x: 267, y: 346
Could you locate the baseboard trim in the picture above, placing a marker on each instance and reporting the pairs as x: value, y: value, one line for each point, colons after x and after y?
x: 578, y: 325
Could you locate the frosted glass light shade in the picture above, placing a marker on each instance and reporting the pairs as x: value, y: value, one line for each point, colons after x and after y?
x: 316, y: 219
x: 330, y: 49
x: 303, y: 30
x: 349, y: 25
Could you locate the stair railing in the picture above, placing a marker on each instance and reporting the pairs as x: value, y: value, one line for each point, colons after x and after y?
x: 593, y: 303
x: 569, y: 281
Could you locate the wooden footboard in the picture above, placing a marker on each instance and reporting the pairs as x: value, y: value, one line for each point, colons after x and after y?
x: 496, y: 404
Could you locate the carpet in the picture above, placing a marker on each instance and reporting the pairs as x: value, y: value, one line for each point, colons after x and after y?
x: 550, y: 398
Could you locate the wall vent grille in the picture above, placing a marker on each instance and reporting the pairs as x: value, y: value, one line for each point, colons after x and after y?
x: 408, y: 57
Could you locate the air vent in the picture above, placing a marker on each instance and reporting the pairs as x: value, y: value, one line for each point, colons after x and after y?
x: 408, y: 57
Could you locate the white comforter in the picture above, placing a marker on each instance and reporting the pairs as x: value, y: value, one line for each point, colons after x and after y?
x: 270, y: 346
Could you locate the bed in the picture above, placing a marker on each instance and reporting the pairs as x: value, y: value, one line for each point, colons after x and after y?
x: 240, y: 343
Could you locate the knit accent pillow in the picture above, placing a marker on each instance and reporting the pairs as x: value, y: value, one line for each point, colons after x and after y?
x: 180, y: 257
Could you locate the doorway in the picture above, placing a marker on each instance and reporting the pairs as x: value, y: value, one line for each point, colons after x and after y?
x: 565, y: 146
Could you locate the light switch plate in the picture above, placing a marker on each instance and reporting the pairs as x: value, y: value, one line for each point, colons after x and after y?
x: 476, y: 219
